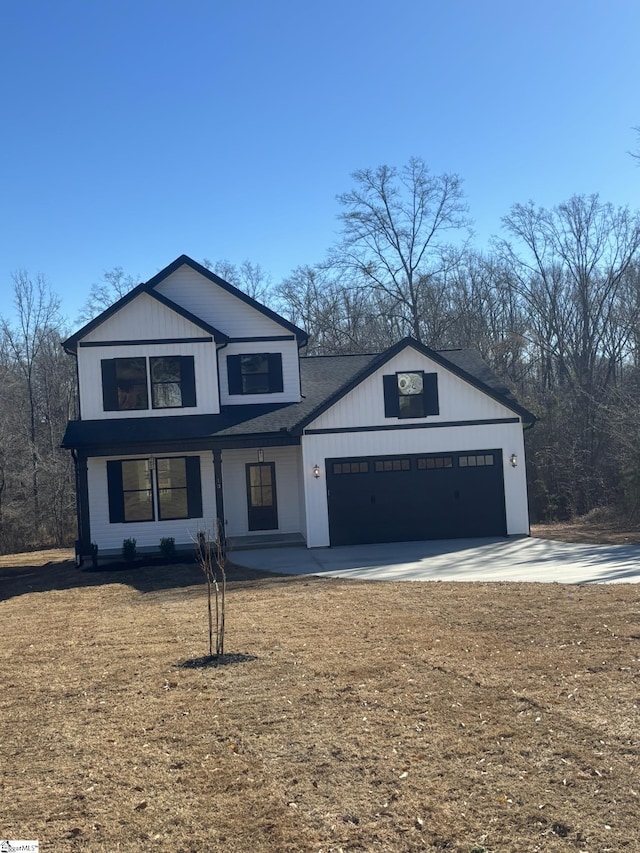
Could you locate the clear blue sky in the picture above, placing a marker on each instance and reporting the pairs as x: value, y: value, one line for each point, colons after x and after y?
x: 136, y: 130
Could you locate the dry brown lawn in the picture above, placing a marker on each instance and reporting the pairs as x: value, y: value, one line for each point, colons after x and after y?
x: 347, y: 715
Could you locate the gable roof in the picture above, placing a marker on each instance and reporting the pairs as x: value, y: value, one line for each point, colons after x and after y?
x: 148, y: 287
x: 71, y: 343
x: 465, y: 363
x: 324, y: 380
x: 185, y: 260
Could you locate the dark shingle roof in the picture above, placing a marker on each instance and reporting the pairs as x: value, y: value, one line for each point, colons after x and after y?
x: 324, y: 379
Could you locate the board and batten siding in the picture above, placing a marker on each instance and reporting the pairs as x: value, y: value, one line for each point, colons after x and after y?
x: 290, y: 372
x: 109, y: 537
x: 364, y: 405
x: 316, y: 449
x: 144, y: 318
x: 90, y: 379
x: 289, y: 500
x: 216, y: 306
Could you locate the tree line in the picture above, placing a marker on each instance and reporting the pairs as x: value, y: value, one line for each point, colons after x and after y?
x: 553, y: 307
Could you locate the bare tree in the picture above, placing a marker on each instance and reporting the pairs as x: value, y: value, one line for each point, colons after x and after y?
x: 399, y: 231
x: 573, y: 268
x: 114, y: 285
x: 248, y: 277
x: 37, y: 310
x: 211, y: 556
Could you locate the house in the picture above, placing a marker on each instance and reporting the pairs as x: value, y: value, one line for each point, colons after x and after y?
x: 195, y: 405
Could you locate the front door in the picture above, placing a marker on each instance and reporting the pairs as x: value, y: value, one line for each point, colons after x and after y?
x: 261, y: 496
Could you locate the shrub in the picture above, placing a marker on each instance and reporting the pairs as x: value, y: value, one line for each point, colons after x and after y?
x: 129, y: 549
x: 168, y: 547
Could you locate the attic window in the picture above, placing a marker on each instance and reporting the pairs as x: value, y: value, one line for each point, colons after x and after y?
x: 410, y: 394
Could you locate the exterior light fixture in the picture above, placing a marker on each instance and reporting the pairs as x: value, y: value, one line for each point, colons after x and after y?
x: 261, y: 455
x: 514, y: 460
x: 152, y: 463
x: 316, y: 471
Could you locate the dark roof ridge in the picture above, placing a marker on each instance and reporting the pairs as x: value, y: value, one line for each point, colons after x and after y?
x: 381, y: 359
x: 148, y: 287
x: 183, y: 260
x: 71, y: 343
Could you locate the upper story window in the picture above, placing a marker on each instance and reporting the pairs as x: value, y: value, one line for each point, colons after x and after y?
x: 166, y: 382
x: 255, y: 373
x: 126, y: 383
x: 411, y: 394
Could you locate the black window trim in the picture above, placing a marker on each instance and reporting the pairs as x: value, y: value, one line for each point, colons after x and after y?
x: 115, y: 489
x: 108, y: 367
x: 274, y: 374
x: 431, y: 403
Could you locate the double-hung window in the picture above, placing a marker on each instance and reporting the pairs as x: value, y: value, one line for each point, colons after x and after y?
x: 129, y: 383
x: 154, y: 489
x: 255, y: 373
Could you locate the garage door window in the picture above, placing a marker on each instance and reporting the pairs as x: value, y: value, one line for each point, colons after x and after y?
x: 432, y: 462
x: 350, y: 468
x: 476, y: 460
x: 392, y: 465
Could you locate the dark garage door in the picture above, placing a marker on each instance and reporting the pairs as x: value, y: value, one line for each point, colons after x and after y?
x: 419, y: 496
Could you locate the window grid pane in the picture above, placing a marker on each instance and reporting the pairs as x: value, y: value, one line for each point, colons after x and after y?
x: 166, y: 391
x: 350, y: 468
x: 131, y: 383
x: 381, y: 465
x: 171, y: 484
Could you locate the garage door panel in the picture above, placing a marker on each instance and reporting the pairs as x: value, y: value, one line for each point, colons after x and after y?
x: 393, y: 499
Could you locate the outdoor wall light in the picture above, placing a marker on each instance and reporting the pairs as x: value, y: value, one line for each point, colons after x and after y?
x: 316, y: 471
x: 261, y: 455
x: 514, y: 460
x: 152, y: 463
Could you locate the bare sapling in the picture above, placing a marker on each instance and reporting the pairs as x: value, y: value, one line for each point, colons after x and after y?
x: 211, y: 556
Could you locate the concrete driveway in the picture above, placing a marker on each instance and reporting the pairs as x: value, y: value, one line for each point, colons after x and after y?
x: 518, y: 559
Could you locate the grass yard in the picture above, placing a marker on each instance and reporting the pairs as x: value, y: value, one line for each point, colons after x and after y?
x: 347, y: 716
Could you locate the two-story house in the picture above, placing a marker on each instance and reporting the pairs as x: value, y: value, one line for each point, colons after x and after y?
x: 196, y: 406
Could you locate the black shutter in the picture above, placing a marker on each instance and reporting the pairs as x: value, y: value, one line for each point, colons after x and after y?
x: 109, y: 387
x: 188, y: 380
x: 116, y: 495
x: 430, y: 391
x: 234, y: 372
x: 194, y: 488
x: 275, y: 372
x: 391, y: 401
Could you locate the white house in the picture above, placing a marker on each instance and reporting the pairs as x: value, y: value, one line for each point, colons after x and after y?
x: 195, y: 405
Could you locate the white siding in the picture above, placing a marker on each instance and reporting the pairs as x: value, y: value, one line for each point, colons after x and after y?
x: 364, y: 405
x: 317, y: 448
x: 289, y: 502
x: 290, y: 372
x: 109, y: 537
x: 217, y: 306
x: 144, y: 318
x: 90, y: 379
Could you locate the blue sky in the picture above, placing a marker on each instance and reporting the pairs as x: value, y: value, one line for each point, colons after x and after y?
x: 136, y: 131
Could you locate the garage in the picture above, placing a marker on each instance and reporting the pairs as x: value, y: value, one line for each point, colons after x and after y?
x: 416, y: 496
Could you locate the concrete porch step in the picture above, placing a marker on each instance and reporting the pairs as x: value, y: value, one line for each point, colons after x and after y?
x: 267, y: 540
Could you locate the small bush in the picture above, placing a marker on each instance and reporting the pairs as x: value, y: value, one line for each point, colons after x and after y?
x: 168, y: 547
x: 129, y: 549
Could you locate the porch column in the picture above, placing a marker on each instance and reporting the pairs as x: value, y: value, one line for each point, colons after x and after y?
x: 217, y: 474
